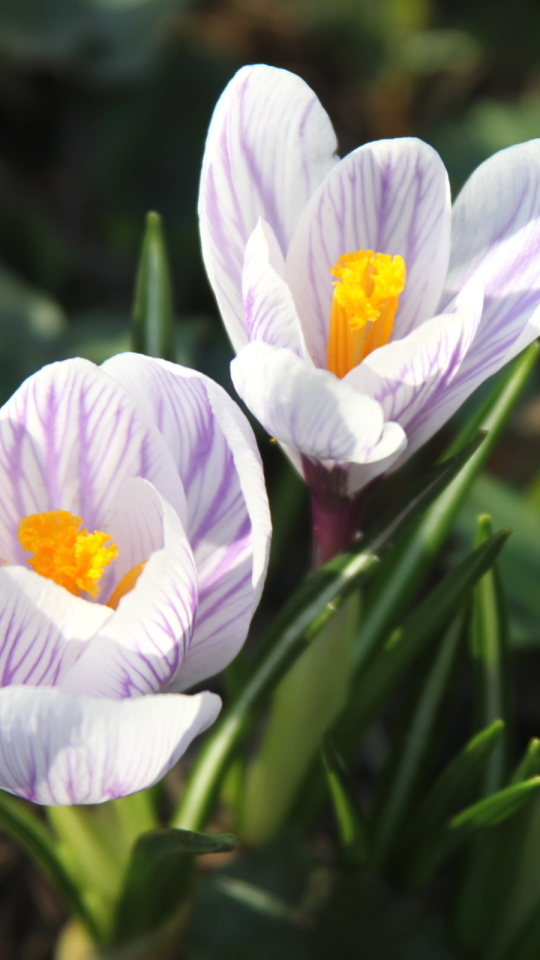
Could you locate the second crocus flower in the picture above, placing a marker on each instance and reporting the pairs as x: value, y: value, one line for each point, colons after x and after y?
x: 134, y: 534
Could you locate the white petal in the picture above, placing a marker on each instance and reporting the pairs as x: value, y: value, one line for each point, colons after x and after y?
x: 269, y: 146
x: 69, y: 437
x: 391, y: 196
x: 496, y: 239
x: 142, y: 645
x: 60, y: 749
x: 43, y: 627
x: 308, y: 409
x: 414, y: 378
x: 392, y: 444
x: 228, y: 517
x: 269, y: 310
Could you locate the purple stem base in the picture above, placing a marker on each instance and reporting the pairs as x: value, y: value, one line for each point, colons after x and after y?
x: 335, y: 516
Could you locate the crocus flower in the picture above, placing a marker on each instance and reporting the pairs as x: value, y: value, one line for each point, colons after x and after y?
x: 362, y: 308
x: 134, y: 532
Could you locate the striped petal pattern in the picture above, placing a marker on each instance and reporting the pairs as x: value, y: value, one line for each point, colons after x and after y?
x: 269, y: 146
x: 471, y: 300
x: 160, y: 459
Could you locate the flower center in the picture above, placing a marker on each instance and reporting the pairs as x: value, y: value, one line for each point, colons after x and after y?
x: 72, y: 557
x: 366, y: 297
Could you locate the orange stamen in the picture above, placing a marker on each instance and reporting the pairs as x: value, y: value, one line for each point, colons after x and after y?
x: 366, y: 297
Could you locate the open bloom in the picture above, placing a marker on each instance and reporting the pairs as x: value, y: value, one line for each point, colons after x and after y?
x: 363, y: 310
x: 134, y: 532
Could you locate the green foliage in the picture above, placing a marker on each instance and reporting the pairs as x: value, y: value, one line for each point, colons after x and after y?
x: 158, y: 877
x: 350, y: 821
x: 299, y: 622
x: 153, y: 332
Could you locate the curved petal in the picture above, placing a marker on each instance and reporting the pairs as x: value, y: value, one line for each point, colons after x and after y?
x: 60, y: 749
x: 142, y: 645
x: 269, y: 145
x: 391, y: 196
x: 228, y: 516
x: 414, y: 379
x: 69, y: 437
x: 42, y: 628
x: 496, y: 239
x: 308, y: 409
x: 392, y: 444
x: 269, y: 310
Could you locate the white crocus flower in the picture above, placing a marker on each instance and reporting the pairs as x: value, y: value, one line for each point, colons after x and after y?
x: 363, y: 310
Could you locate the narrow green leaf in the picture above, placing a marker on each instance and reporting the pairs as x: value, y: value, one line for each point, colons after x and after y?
x: 485, y: 916
x: 520, y: 565
x: 411, y: 748
x: 481, y: 886
x: 435, y: 612
x: 39, y: 843
x: 452, y: 787
x: 489, y: 648
x: 529, y: 766
x: 497, y: 807
x: 297, y: 625
x: 258, y: 899
x: 414, y: 554
x: 158, y: 877
x: 153, y: 325
x: 351, y: 825
x: 488, y: 812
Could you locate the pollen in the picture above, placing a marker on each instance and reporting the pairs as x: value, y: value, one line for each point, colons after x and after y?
x: 366, y: 296
x: 66, y: 553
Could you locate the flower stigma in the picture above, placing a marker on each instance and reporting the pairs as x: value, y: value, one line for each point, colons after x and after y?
x: 72, y: 557
x: 364, y: 304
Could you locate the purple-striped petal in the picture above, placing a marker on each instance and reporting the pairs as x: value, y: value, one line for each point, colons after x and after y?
x: 496, y: 239
x: 69, y: 437
x: 43, y: 628
x: 414, y: 379
x: 228, y: 521
x: 141, y: 647
x: 59, y: 749
x: 269, y: 310
x: 309, y: 409
x: 269, y: 146
x: 391, y: 196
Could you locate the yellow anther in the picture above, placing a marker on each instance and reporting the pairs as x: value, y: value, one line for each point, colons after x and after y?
x: 126, y: 584
x: 61, y: 551
x: 366, y: 297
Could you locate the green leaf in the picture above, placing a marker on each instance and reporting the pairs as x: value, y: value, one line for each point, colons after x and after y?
x: 451, y: 788
x: 351, y: 825
x: 158, y: 877
x: 488, y: 812
x: 520, y: 565
x: 300, y: 621
x: 485, y: 916
x: 489, y: 648
x: 39, y: 843
x: 497, y: 807
x: 529, y: 766
x: 413, y: 556
x: 410, y: 749
x: 153, y: 327
x: 405, y: 644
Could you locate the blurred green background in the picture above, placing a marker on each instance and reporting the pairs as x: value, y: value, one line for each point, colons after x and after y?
x: 104, y: 106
